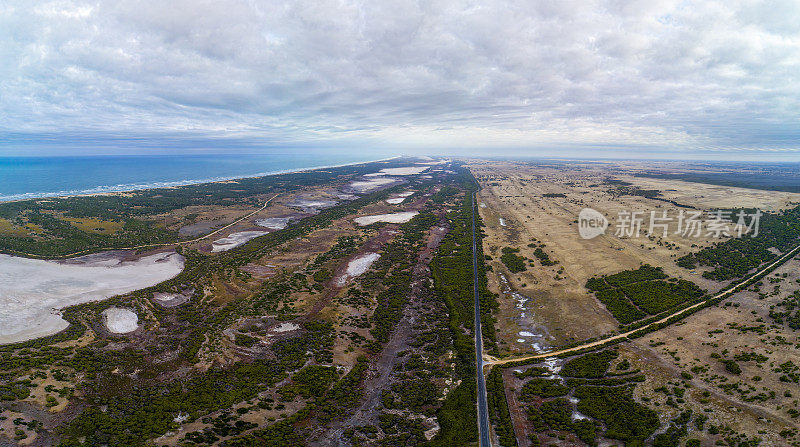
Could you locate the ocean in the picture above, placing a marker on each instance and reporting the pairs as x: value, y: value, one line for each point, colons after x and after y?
x: 34, y: 177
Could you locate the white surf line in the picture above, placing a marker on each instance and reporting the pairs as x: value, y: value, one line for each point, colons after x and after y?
x: 723, y: 294
x: 106, y: 190
x: 78, y: 253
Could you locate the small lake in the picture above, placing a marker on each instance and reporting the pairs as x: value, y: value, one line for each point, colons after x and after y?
x: 32, y: 290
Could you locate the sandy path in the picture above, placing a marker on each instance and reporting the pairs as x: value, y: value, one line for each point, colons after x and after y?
x: 489, y: 360
x: 378, y: 377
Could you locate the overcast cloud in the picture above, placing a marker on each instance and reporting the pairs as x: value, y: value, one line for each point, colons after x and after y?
x: 710, y: 77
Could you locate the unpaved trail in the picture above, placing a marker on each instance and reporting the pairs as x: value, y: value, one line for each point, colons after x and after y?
x: 332, y: 285
x: 167, y: 244
x: 489, y: 360
x: 379, y: 373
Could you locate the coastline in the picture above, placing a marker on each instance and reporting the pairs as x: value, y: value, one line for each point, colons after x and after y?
x: 108, y: 190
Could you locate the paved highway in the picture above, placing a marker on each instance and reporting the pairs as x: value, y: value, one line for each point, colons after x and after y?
x: 483, y: 408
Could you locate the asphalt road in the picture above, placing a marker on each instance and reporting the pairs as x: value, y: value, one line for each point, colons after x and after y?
x: 483, y: 408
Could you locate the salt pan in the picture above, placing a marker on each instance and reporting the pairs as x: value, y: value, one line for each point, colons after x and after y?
x: 388, y: 218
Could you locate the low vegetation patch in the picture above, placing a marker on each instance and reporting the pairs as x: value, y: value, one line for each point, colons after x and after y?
x: 631, y: 295
x: 544, y: 258
x: 538, y: 387
x: 592, y: 365
x: 604, y: 408
x: 736, y: 257
x: 498, y: 408
x: 512, y: 260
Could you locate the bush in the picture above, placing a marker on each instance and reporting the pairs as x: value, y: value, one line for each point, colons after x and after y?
x: 311, y: 381
x: 498, y: 408
x: 538, y: 387
x: 625, y: 419
x: 657, y: 296
x: 544, y: 258
x: 732, y: 367
x: 592, y: 365
x: 514, y: 262
x: 631, y: 295
x: 619, y: 306
x: 245, y: 340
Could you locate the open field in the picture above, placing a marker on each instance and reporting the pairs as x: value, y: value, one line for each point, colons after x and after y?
x: 515, y: 194
x: 544, y: 302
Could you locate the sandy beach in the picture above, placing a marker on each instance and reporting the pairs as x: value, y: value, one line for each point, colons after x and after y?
x: 127, y: 189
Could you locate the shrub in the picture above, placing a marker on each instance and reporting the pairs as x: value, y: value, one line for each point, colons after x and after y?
x: 514, y: 262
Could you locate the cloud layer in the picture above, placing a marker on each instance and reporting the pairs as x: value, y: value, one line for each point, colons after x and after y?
x: 683, y: 75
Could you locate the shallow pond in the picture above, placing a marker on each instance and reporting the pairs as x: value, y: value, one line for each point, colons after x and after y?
x: 32, y: 290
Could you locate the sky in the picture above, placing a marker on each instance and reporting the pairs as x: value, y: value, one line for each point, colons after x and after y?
x: 651, y: 79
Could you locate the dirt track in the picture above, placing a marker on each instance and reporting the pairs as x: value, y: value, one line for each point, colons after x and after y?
x: 488, y: 360
x: 378, y: 377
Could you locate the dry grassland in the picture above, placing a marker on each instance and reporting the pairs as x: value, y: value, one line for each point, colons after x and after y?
x: 559, y: 302
x: 561, y: 308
